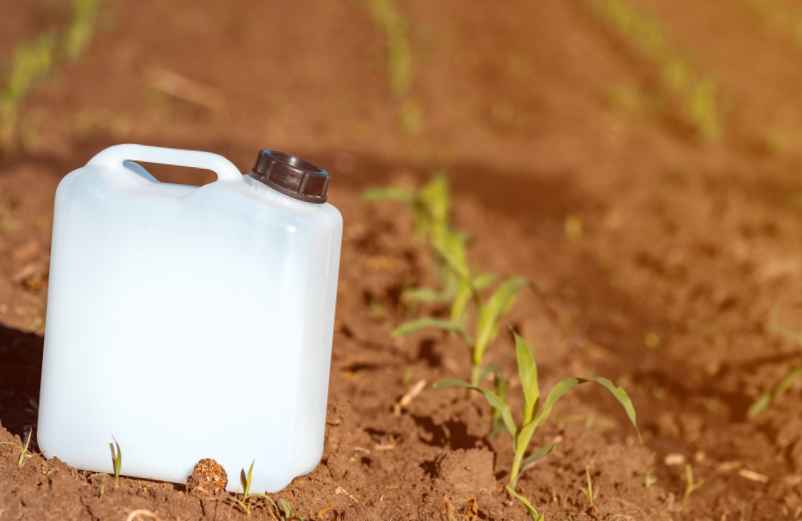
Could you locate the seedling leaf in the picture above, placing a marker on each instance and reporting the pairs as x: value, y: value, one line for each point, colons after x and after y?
x: 492, y: 398
x: 490, y: 312
x: 419, y: 324
x: 116, y: 459
x: 559, y: 390
x: 767, y: 398
x: 286, y: 508
x: 621, y: 396
x: 536, y: 455
x: 427, y: 295
x: 451, y: 248
x: 435, y: 197
x: 501, y: 387
x: 461, y: 301
x: 527, y: 372
x: 388, y: 194
x: 484, y: 280
x: 534, y: 515
x: 246, y: 480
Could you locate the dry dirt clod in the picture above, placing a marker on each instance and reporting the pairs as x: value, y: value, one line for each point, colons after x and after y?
x: 467, y: 473
x: 208, y: 478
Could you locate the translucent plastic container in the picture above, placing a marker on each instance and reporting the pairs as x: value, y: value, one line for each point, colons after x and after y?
x: 190, y: 322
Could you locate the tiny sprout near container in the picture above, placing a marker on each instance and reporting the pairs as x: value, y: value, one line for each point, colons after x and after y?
x: 190, y: 322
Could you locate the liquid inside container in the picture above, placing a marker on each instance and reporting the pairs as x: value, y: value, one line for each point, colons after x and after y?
x: 190, y: 322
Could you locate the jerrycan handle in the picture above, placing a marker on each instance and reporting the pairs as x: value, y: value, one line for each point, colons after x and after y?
x: 116, y: 155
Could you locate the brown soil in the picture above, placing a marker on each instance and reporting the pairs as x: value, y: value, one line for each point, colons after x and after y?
x: 684, y: 250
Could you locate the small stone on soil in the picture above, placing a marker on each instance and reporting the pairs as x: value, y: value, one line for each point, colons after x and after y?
x: 208, y: 477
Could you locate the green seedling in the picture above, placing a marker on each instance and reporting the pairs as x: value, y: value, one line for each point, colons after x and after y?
x: 588, y: 491
x: 772, y: 395
x: 81, y: 28
x: 489, y: 314
x: 791, y: 376
x: 534, y: 413
x: 395, y: 27
x: 245, y: 501
x: 460, y: 285
x: 24, y: 448
x: 695, y: 92
x: 32, y: 61
x: 430, y: 205
x: 431, y: 209
x: 691, y: 485
x: 246, y: 479
x: 116, y: 461
x: 282, y: 510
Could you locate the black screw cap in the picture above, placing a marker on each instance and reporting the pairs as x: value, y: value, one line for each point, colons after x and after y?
x: 292, y: 176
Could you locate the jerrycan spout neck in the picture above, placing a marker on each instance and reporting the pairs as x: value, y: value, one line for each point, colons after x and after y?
x: 291, y: 176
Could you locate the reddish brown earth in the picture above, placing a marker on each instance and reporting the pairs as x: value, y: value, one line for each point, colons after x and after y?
x: 685, y: 248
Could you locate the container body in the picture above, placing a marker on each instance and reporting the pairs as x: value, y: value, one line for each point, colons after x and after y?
x: 187, y: 323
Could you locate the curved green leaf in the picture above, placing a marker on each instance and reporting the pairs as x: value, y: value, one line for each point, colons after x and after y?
x: 559, y: 390
x: 527, y: 372
x: 460, y: 302
x: 619, y: 394
x: 767, y: 398
x: 483, y: 280
x: 564, y: 386
x: 495, y: 401
x: 427, y: 295
x: 534, y: 515
x: 413, y: 326
x: 388, y: 194
x: 490, y: 313
x: 536, y: 455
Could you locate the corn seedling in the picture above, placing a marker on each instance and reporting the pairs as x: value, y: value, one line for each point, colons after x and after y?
x: 460, y: 284
x: 245, y: 500
x: 395, y: 27
x: 431, y: 208
x: 791, y: 376
x: 696, y: 92
x: 81, y: 28
x: 32, y: 61
x: 24, y: 448
x: 535, y: 412
x: 588, y: 491
x: 772, y: 395
x: 430, y: 205
x: 116, y: 460
x: 691, y: 485
x: 282, y: 510
x: 489, y: 314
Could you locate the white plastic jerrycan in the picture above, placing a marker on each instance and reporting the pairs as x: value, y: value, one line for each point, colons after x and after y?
x: 190, y: 322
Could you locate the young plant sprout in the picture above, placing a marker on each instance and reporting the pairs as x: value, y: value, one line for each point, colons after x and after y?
x: 691, y: 485
x: 245, y: 500
x: 694, y: 92
x: 116, y: 460
x: 791, y: 376
x: 535, y: 413
x: 24, y: 448
x: 431, y: 208
x: 81, y: 28
x: 282, y: 510
x: 588, y: 491
x: 489, y: 314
